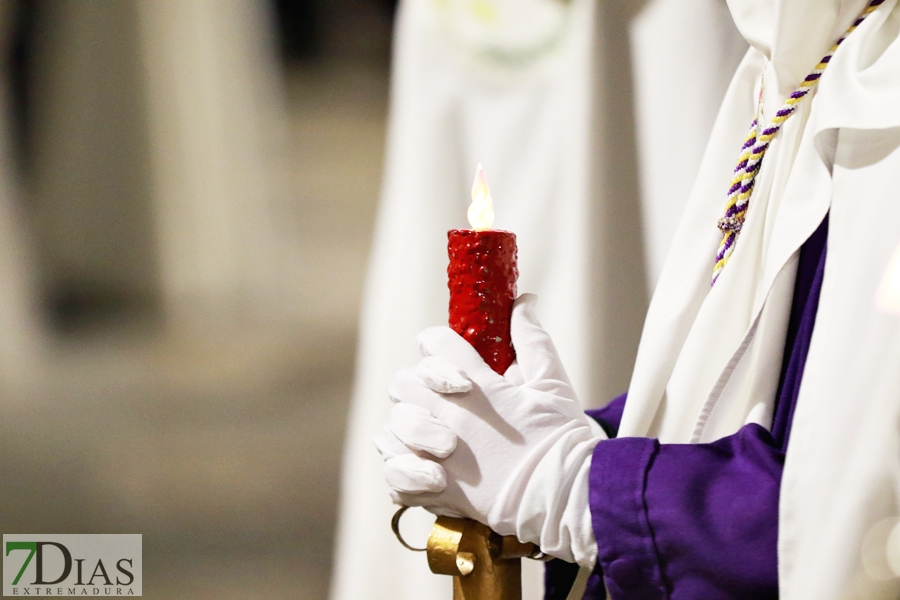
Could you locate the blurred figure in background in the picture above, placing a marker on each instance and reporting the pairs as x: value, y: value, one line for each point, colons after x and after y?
x: 185, y: 388
x: 21, y: 330
x: 512, y: 86
x: 154, y: 182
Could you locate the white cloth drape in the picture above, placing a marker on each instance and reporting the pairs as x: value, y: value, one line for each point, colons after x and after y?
x: 709, y: 358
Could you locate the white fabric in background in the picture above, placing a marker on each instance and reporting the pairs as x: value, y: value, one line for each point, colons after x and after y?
x: 214, y: 108
x: 518, y: 103
x: 708, y: 361
x: 684, y: 52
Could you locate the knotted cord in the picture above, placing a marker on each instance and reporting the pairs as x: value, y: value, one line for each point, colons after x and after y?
x: 754, y: 150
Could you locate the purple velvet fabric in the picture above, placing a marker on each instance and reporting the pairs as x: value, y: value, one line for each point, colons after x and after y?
x: 810, y: 272
x: 692, y: 521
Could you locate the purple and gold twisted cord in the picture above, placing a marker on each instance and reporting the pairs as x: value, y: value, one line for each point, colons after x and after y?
x: 754, y: 150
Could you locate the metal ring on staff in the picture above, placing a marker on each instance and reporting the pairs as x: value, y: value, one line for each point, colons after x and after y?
x: 395, y: 527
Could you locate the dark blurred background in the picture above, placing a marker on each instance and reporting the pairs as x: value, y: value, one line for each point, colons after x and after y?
x: 179, y: 353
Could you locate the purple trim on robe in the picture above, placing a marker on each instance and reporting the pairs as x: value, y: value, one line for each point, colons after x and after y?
x: 810, y: 271
x: 687, y: 521
x: 690, y: 521
x: 627, y: 553
x: 610, y: 415
x: 714, y: 513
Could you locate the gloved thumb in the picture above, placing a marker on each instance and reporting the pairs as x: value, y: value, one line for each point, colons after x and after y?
x: 535, y: 352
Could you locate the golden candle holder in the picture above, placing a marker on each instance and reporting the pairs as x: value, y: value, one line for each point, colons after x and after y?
x: 484, y: 565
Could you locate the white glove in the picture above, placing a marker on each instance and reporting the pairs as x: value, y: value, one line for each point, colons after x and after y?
x: 510, y: 451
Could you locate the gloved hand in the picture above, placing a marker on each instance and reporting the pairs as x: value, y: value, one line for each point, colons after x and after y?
x: 510, y: 451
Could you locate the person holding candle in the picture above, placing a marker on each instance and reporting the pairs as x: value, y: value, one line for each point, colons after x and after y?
x: 757, y: 452
x: 457, y: 99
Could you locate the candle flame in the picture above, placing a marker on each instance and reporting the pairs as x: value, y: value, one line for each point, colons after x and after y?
x: 481, y: 211
x: 889, y: 292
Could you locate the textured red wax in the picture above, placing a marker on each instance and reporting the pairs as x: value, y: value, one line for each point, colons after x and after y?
x: 482, y: 280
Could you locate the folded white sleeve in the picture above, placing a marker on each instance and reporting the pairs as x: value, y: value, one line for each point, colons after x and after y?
x: 553, y: 499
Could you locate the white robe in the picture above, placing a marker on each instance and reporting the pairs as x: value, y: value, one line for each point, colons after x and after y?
x: 709, y: 358
x: 532, y: 130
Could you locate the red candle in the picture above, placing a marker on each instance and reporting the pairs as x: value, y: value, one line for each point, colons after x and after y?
x: 482, y: 279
